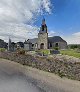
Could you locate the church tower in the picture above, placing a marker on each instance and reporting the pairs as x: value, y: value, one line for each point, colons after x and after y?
x: 43, y: 36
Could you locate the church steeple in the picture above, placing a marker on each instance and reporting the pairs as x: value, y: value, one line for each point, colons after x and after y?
x: 43, y: 36
x: 43, y: 28
x: 43, y: 21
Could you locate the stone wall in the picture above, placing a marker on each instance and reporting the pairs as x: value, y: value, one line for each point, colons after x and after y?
x: 26, y: 46
x: 61, y: 65
x: 62, y: 45
x: 43, y: 38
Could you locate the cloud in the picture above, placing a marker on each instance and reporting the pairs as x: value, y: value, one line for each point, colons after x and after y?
x: 73, y: 39
x: 77, y: 34
x: 17, y: 17
x: 51, y: 33
x: 46, y: 5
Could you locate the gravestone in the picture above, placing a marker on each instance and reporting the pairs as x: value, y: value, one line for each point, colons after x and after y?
x: 54, y: 52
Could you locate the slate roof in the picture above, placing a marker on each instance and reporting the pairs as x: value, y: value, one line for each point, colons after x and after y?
x: 35, y: 40
x: 55, y: 39
x: 50, y: 40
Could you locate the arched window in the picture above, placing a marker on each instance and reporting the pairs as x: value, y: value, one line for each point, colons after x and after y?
x: 32, y: 45
x: 50, y: 44
x: 42, y: 46
x: 56, y: 45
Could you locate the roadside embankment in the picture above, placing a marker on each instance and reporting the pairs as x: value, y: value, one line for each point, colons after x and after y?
x: 44, y: 81
x: 63, y: 66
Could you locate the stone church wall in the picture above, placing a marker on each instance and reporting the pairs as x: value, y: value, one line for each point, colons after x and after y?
x: 43, y: 38
x: 62, y: 45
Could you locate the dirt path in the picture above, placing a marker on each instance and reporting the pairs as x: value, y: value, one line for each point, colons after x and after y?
x: 44, y: 80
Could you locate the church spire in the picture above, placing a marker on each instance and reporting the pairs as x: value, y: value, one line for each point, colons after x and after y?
x: 43, y: 21
x: 43, y: 28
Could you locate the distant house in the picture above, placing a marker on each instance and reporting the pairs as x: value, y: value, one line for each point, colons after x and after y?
x: 43, y: 41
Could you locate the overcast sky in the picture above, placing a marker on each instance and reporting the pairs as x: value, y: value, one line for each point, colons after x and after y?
x: 21, y: 19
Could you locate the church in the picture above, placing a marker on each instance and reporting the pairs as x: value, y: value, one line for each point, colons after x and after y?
x: 43, y: 41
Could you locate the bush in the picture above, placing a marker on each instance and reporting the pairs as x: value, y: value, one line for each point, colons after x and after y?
x: 21, y: 51
x: 46, y: 52
x: 56, y: 48
x: 2, y: 49
x: 77, y: 50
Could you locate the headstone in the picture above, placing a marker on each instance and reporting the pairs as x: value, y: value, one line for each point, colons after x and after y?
x: 54, y: 52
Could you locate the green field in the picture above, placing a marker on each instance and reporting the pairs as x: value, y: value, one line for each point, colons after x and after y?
x: 70, y: 53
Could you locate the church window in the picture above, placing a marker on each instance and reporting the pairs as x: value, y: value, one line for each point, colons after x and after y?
x: 32, y: 45
x: 56, y: 45
x: 42, y: 46
x: 42, y: 27
x: 50, y: 44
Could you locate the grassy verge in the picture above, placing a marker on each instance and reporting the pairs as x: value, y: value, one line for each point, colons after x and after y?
x: 47, y: 52
x: 70, y: 53
x: 2, y: 49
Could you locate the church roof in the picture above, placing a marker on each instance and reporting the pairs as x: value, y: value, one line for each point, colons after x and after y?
x: 35, y: 40
x: 55, y: 39
x: 50, y: 40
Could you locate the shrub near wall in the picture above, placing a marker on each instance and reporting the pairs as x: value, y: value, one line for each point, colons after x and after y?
x: 46, y: 52
x: 61, y: 66
x: 2, y: 49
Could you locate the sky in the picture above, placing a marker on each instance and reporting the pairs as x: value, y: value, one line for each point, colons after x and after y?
x: 21, y: 19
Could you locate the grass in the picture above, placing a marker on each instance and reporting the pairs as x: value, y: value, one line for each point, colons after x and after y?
x: 45, y: 51
x: 70, y: 53
x: 2, y: 49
